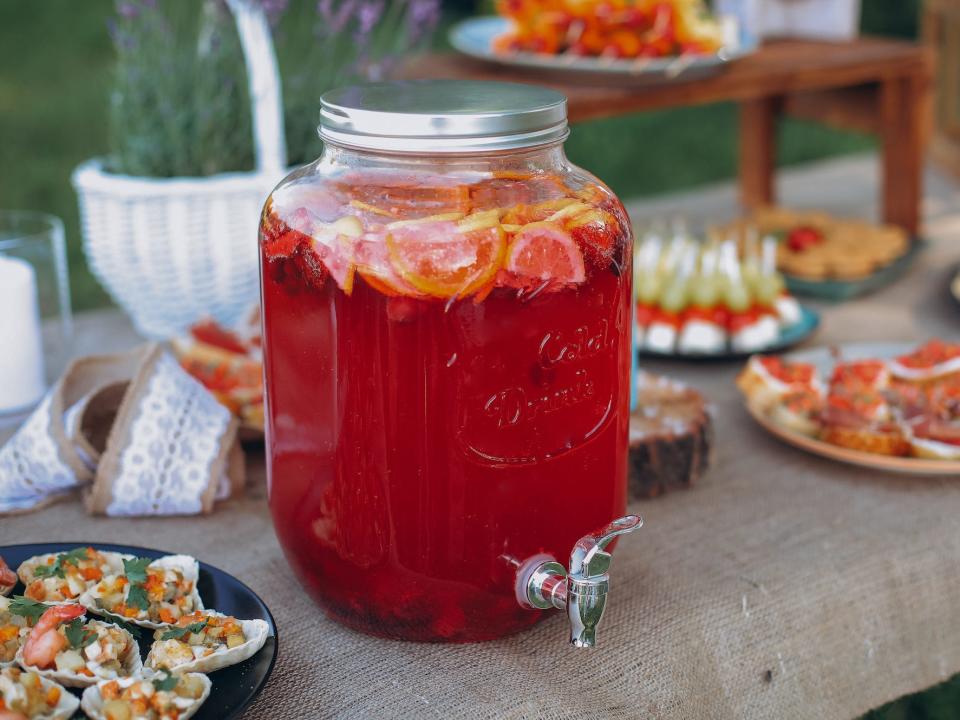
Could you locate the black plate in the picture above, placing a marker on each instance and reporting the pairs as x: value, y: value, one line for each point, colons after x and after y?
x: 234, y: 687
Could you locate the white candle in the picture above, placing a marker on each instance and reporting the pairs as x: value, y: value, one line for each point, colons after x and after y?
x: 21, y: 346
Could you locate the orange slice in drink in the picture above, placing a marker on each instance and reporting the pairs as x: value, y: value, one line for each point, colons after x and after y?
x: 448, y: 259
x: 545, y: 251
x: 373, y: 265
x: 523, y: 214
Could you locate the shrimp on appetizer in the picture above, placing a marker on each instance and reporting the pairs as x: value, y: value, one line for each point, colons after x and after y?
x: 62, y: 647
x: 17, y: 616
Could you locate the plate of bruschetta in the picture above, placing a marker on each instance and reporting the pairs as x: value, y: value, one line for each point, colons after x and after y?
x: 886, y: 406
x: 125, y: 632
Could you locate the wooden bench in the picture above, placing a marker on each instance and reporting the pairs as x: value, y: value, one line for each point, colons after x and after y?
x: 874, y: 85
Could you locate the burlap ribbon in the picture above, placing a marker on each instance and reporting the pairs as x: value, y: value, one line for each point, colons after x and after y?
x: 134, y: 431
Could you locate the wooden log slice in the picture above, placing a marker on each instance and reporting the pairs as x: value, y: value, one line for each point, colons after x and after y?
x: 671, y: 437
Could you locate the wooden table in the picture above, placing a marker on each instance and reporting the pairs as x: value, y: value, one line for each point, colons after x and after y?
x: 873, y: 85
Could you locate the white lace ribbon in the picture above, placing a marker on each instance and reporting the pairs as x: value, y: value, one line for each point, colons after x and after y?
x: 31, y: 467
x: 170, y: 449
x: 175, y: 441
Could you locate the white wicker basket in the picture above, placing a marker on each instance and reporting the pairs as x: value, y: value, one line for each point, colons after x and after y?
x: 173, y: 250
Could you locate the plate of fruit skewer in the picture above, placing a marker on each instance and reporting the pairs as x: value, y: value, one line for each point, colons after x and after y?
x: 713, y: 300
x: 640, y: 39
x: 886, y: 406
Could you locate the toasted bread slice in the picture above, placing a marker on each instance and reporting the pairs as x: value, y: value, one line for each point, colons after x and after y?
x: 881, y: 440
x: 766, y: 381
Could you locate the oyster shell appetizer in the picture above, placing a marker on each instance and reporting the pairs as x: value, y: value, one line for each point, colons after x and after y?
x: 17, y: 616
x: 8, y: 578
x: 63, y: 577
x: 27, y: 696
x: 77, y: 653
x: 158, y: 697
x: 206, y: 641
x: 153, y: 593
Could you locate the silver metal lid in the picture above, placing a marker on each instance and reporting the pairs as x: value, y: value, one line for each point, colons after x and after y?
x: 443, y: 116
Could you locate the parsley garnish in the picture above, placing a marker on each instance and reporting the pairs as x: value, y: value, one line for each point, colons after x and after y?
x: 136, y: 572
x: 178, y: 633
x: 136, y: 569
x: 79, y: 636
x: 71, y: 557
x: 45, y: 571
x: 137, y: 597
x: 168, y: 683
x: 25, y: 607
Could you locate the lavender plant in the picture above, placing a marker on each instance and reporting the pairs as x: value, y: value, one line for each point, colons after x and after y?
x: 180, y: 106
x: 349, y: 40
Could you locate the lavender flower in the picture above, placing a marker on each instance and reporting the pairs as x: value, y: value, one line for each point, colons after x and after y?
x: 422, y: 18
x: 121, y: 40
x: 128, y: 10
x: 335, y: 20
x: 368, y: 16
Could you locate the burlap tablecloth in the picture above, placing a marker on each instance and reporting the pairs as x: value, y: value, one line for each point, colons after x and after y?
x: 784, y: 586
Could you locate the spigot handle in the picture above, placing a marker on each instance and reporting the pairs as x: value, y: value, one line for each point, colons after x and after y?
x: 543, y: 583
x: 589, y: 558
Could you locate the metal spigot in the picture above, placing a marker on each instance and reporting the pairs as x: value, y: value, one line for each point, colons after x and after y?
x: 543, y: 583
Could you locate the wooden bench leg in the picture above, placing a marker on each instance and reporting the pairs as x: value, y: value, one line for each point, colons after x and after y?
x: 758, y: 151
x: 904, y: 111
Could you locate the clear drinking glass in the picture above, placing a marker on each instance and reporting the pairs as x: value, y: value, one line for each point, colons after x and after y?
x: 35, y: 321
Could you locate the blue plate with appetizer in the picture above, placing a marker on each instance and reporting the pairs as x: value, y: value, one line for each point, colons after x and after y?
x: 112, y: 630
x: 714, y: 300
x: 832, y: 258
x: 498, y: 40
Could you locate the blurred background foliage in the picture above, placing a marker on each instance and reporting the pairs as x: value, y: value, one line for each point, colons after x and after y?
x: 57, y: 66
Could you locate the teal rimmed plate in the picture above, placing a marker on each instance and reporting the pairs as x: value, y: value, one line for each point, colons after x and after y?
x: 848, y: 289
x: 789, y: 336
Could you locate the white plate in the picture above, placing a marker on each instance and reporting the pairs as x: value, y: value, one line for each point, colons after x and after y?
x: 474, y: 37
x: 822, y: 358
